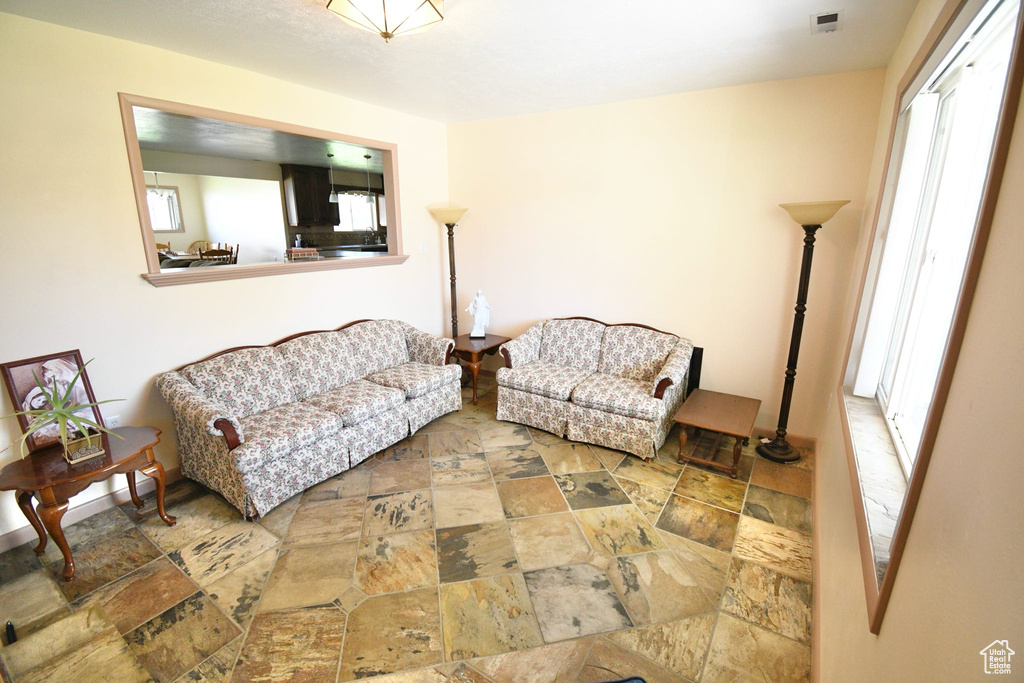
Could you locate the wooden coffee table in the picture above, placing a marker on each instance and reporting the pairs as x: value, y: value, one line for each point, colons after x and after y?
x: 473, y: 351
x: 723, y: 414
x: 52, y: 480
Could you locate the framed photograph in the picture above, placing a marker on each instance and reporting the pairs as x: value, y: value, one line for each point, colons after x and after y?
x: 55, y: 369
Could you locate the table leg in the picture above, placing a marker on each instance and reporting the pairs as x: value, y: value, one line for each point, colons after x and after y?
x: 51, y: 514
x: 682, y: 445
x: 474, y: 369
x: 734, y: 472
x: 155, y: 470
x: 25, y: 503
x: 132, y: 490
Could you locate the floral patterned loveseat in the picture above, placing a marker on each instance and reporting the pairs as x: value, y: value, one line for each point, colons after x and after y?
x: 262, y: 423
x: 612, y: 385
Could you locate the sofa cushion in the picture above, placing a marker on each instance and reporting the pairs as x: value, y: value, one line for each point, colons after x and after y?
x: 618, y: 395
x: 541, y: 377
x: 417, y: 379
x: 320, y: 362
x: 246, y: 381
x: 634, y: 352
x: 574, y: 343
x: 358, y: 401
x: 379, y: 343
x: 280, y: 430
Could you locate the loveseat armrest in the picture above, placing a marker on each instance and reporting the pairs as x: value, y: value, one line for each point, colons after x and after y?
x: 523, y: 349
x: 673, y: 372
x: 427, y: 348
x: 190, y: 404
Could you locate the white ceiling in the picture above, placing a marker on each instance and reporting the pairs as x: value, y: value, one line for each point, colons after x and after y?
x: 495, y: 58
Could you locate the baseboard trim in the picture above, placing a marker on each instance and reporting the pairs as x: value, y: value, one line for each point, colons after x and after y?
x: 24, y: 534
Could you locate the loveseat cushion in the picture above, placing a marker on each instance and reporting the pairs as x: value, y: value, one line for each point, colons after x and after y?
x: 541, y: 377
x: 358, y: 401
x: 634, y: 352
x: 280, y: 430
x: 618, y: 395
x: 379, y: 343
x: 417, y: 379
x: 572, y: 343
x: 246, y: 381
x: 321, y: 362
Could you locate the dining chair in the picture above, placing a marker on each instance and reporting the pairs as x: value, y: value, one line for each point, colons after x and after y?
x: 198, y: 246
x: 223, y: 255
x: 234, y: 254
x: 163, y: 246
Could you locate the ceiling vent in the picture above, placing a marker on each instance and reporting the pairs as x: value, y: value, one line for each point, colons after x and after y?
x: 826, y: 22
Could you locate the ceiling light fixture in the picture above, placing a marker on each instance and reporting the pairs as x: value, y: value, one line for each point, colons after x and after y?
x: 389, y: 18
x: 333, y: 198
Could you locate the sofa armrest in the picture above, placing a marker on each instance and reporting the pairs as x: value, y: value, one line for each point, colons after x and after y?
x: 190, y: 404
x: 427, y: 348
x: 523, y: 349
x: 673, y: 372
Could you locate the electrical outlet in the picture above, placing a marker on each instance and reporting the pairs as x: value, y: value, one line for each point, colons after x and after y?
x: 113, y: 421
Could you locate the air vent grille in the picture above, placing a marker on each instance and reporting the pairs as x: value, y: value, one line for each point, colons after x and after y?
x: 827, y: 22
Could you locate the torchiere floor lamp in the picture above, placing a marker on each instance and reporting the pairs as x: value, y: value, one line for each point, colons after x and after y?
x: 810, y: 215
x: 450, y: 217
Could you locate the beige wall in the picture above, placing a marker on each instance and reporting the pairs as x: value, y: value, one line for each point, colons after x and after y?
x: 665, y: 211
x: 60, y: 108
x: 958, y: 587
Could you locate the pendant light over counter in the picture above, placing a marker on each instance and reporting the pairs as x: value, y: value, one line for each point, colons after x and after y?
x: 330, y: 173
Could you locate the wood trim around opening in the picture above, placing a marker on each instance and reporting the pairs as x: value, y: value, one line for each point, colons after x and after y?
x: 877, y: 595
x: 157, y: 278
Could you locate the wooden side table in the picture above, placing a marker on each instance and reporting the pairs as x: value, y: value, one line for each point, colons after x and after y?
x: 473, y: 351
x: 48, y: 476
x: 724, y: 414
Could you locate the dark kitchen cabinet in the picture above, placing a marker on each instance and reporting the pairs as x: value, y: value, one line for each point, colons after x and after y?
x: 306, y: 196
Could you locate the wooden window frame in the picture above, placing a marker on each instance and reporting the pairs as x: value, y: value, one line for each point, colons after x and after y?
x: 155, y: 277
x: 878, y: 594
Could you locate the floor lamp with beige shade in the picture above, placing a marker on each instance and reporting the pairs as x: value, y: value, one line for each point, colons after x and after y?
x: 811, y: 216
x: 451, y: 217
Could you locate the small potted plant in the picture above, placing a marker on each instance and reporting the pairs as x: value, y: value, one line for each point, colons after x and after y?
x: 56, y: 406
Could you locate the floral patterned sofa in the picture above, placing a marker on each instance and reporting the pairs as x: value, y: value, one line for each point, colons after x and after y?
x: 262, y: 423
x: 612, y: 385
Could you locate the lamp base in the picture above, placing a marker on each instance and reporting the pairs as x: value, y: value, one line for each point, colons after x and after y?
x: 778, y: 450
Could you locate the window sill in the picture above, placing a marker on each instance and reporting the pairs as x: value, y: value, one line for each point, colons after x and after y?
x: 882, y: 482
x: 193, y: 275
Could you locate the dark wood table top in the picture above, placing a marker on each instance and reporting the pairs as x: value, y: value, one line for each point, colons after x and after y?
x: 49, y: 468
x: 464, y: 343
x: 717, y: 412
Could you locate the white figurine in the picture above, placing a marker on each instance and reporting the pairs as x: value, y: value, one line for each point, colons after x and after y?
x: 481, y: 312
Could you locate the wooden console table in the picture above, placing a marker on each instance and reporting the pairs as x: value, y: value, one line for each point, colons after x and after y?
x: 52, y: 480
x: 473, y: 351
x: 724, y: 414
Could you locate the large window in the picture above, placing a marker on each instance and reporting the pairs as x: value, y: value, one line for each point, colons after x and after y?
x: 164, y: 209
x: 946, y: 132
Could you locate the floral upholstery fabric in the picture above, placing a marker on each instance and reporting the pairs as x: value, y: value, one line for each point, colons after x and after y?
x: 321, y: 362
x: 425, y: 347
x: 190, y: 403
x: 628, y: 397
x: 246, y: 381
x: 572, y: 343
x: 380, y: 343
x: 417, y: 379
x: 419, y: 411
x: 526, y: 347
x: 634, y: 352
x: 279, y: 431
x: 280, y: 479
x: 677, y: 365
x: 531, y: 409
x: 542, y: 377
x: 374, y: 435
x: 358, y: 401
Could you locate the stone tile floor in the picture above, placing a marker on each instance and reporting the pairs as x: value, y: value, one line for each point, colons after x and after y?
x: 473, y: 551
